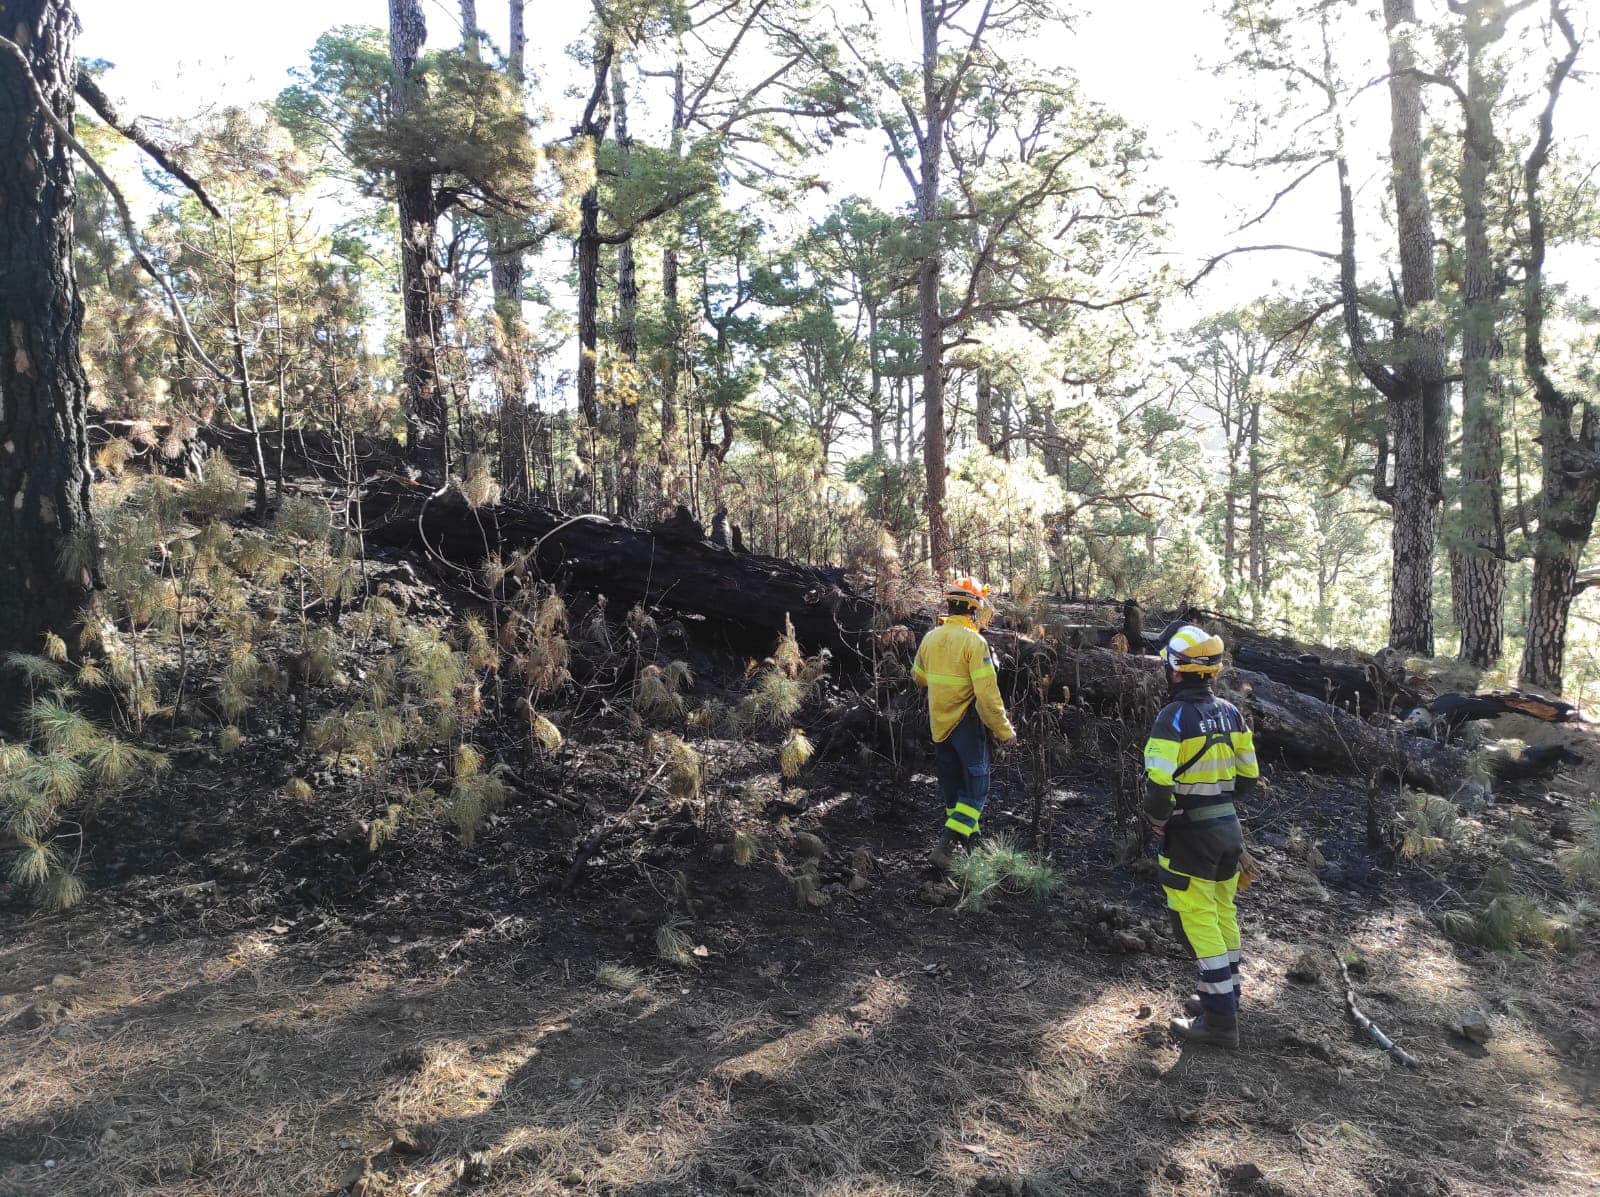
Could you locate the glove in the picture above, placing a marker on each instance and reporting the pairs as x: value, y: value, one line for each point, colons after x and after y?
x: 1249, y: 868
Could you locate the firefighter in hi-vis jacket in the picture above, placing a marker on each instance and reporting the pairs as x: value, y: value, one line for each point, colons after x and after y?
x: 1200, y: 757
x: 955, y: 665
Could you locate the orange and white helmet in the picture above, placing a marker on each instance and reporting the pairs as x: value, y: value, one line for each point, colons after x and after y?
x: 967, y: 590
x: 1191, y: 649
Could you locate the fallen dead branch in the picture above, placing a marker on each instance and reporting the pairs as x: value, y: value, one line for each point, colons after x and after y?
x: 1366, y: 1024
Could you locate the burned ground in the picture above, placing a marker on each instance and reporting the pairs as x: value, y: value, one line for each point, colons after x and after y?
x: 280, y: 1012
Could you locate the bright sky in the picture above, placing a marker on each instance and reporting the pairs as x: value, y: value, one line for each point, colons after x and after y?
x: 176, y: 57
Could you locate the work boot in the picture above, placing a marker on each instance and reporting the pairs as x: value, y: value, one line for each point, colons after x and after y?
x: 1207, y: 1027
x: 944, y: 852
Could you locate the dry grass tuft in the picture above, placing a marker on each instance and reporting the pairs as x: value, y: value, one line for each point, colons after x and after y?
x: 622, y: 978
x: 673, y: 945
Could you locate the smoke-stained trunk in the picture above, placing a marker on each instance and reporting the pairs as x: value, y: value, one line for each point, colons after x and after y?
x: 929, y: 313
x: 44, y: 448
x: 1570, y: 490
x: 593, y: 129
x: 1477, y: 560
x: 427, y: 425
x: 505, y: 274
x: 983, y: 407
x: 1258, y: 532
x: 1420, y: 414
x: 669, y: 294
x: 628, y: 380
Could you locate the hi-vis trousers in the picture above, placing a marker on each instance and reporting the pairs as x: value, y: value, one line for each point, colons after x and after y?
x: 1207, y: 921
x: 961, y: 762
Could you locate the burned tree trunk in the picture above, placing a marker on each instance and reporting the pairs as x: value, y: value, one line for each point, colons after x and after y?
x: 1478, y: 560
x: 673, y: 568
x: 427, y: 422
x: 44, y: 447
x: 1420, y: 416
x: 1570, y: 491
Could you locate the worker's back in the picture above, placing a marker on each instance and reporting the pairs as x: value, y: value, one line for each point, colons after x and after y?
x: 953, y: 662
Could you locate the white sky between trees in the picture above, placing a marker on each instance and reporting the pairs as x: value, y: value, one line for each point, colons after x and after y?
x: 1148, y: 61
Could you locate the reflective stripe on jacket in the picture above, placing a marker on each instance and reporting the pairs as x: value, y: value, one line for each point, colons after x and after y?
x: 953, y: 662
x: 1199, y: 750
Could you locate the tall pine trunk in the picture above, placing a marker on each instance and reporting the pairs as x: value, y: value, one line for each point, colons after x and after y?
x: 427, y: 420
x: 1570, y: 489
x: 593, y: 130
x: 44, y: 447
x: 627, y: 327
x: 673, y: 323
x: 505, y: 274
x: 1419, y: 416
x: 929, y: 313
x: 1477, y: 561
x: 1258, y: 530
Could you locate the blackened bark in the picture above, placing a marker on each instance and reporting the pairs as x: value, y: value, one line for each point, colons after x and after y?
x: 1571, y: 485
x: 505, y: 274
x: 669, y: 293
x: 875, y: 391
x: 593, y: 130
x: 427, y: 421
x: 1420, y: 414
x: 983, y: 408
x: 469, y: 29
x: 929, y: 313
x: 1477, y: 560
x: 627, y: 327
x: 1258, y: 531
x: 44, y: 448
x: 745, y: 596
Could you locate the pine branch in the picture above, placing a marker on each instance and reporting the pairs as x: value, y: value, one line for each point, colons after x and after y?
x: 135, y: 132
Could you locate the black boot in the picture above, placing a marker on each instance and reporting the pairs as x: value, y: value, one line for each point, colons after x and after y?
x: 944, y: 852
x: 1207, y: 1027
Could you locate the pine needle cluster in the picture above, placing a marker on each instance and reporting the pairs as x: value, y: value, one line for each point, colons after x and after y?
x: 658, y: 691
x: 783, y: 683
x: 686, y: 769
x: 1581, y: 862
x: 41, y: 780
x: 474, y: 794
x: 999, y: 867
x: 673, y: 945
x: 794, y: 753
x: 1430, y: 827
x: 1505, y: 919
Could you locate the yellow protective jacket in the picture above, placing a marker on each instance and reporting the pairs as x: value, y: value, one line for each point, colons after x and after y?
x: 953, y: 662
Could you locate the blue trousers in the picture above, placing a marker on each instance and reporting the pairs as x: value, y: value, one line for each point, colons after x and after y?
x: 961, y: 763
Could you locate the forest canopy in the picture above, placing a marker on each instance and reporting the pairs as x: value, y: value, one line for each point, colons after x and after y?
x: 638, y: 280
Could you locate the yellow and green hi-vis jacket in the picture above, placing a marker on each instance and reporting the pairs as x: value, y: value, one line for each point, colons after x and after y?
x: 1200, y: 754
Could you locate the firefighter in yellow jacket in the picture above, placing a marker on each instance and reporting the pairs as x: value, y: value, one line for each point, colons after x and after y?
x: 955, y: 665
x: 1199, y: 758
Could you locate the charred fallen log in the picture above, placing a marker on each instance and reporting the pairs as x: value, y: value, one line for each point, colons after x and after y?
x: 1455, y: 709
x: 1302, y: 729
x: 1359, y: 684
x: 745, y: 597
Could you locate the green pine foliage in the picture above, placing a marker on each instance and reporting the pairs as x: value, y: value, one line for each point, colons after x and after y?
x: 998, y: 867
